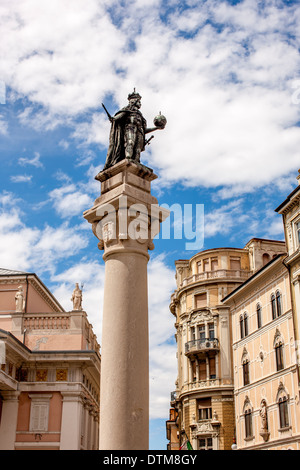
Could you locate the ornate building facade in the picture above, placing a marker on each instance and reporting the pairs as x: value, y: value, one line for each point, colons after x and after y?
x: 49, y: 369
x: 203, y: 401
x: 243, y: 328
x: 266, y: 382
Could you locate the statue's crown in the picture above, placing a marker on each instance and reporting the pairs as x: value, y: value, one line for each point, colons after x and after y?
x: 134, y: 95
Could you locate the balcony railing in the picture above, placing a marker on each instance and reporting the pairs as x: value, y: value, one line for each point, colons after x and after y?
x: 216, y: 274
x: 47, y: 321
x: 202, y: 345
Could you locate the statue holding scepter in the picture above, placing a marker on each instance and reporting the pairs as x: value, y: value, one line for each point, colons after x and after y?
x: 128, y: 131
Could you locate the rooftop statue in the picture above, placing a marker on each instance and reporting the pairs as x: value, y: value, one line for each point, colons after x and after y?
x: 128, y: 130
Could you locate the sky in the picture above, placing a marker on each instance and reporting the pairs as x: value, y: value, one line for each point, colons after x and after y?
x: 226, y: 74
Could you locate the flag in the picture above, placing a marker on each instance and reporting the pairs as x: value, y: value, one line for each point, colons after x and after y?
x: 186, y: 445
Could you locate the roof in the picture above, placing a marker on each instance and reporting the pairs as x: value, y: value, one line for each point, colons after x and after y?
x: 11, y: 272
x: 263, y: 268
x: 288, y: 199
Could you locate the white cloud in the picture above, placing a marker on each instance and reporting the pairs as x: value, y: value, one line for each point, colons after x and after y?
x: 31, y: 248
x: 222, y: 74
x: 69, y: 201
x: 34, y: 161
x: 21, y: 178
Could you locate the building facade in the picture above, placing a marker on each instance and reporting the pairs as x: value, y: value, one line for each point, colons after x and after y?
x: 204, y: 395
x: 267, y: 413
x: 49, y: 369
x: 290, y: 211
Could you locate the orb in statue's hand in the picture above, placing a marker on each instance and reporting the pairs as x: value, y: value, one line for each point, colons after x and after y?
x: 160, y: 121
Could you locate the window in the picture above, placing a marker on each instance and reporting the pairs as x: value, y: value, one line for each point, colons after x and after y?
x: 204, y: 408
x: 244, y: 325
x: 258, y: 314
x: 205, y: 443
x: 211, y: 331
x: 206, y: 265
x: 201, y: 329
x: 39, y: 412
x: 283, y: 412
x: 235, y: 264
x: 214, y: 264
x: 212, y: 367
x: 246, y: 376
x: 193, y: 333
x: 248, y: 423
x: 273, y: 306
x: 202, y: 369
x: 193, y: 364
x: 279, y: 356
x: 276, y: 305
x: 298, y: 232
x: 199, y: 266
x: 200, y: 300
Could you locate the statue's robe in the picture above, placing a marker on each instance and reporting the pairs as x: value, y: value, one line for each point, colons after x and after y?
x: 116, y: 148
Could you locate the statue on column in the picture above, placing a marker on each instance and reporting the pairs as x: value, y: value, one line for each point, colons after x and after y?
x: 19, y: 298
x: 128, y: 131
x: 77, y: 298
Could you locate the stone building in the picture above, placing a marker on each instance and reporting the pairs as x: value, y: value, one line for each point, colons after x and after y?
x: 49, y: 369
x: 290, y: 211
x: 204, y: 395
x: 266, y: 392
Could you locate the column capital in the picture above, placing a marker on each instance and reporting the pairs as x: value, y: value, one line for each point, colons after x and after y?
x: 10, y: 395
x: 126, y: 217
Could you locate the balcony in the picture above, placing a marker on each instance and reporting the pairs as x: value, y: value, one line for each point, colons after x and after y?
x: 237, y: 274
x: 205, y: 345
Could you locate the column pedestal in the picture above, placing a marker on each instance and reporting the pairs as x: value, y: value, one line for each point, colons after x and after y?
x: 125, y: 218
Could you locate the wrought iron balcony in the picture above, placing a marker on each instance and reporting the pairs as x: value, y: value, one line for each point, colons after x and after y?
x: 201, y: 345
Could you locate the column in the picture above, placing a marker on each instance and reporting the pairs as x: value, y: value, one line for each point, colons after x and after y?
x: 124, y: 220
x: 9, y: 416
x: 71, y: 422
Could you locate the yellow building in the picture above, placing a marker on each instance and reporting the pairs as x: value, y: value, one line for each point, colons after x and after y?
x: 267, y: 413
x: 204, y: 395
x: 290, y: 211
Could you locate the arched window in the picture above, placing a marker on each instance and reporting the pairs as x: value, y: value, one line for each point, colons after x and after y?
x: 244, y: 325
x: 248, y: 419
x: 273, y: 306
x: 266, y: 258
x: 246, y: 367
x: 246, y: 375
x: 258, y: 315
x: 283, y: 409
x: 279, y: 356
x: 278, y: 303
x: 278, y: 346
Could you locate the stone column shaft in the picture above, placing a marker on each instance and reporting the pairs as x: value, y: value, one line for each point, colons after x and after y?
x: 121, y: 220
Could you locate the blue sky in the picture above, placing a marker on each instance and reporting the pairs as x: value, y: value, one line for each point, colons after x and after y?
x: 227, y: 77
